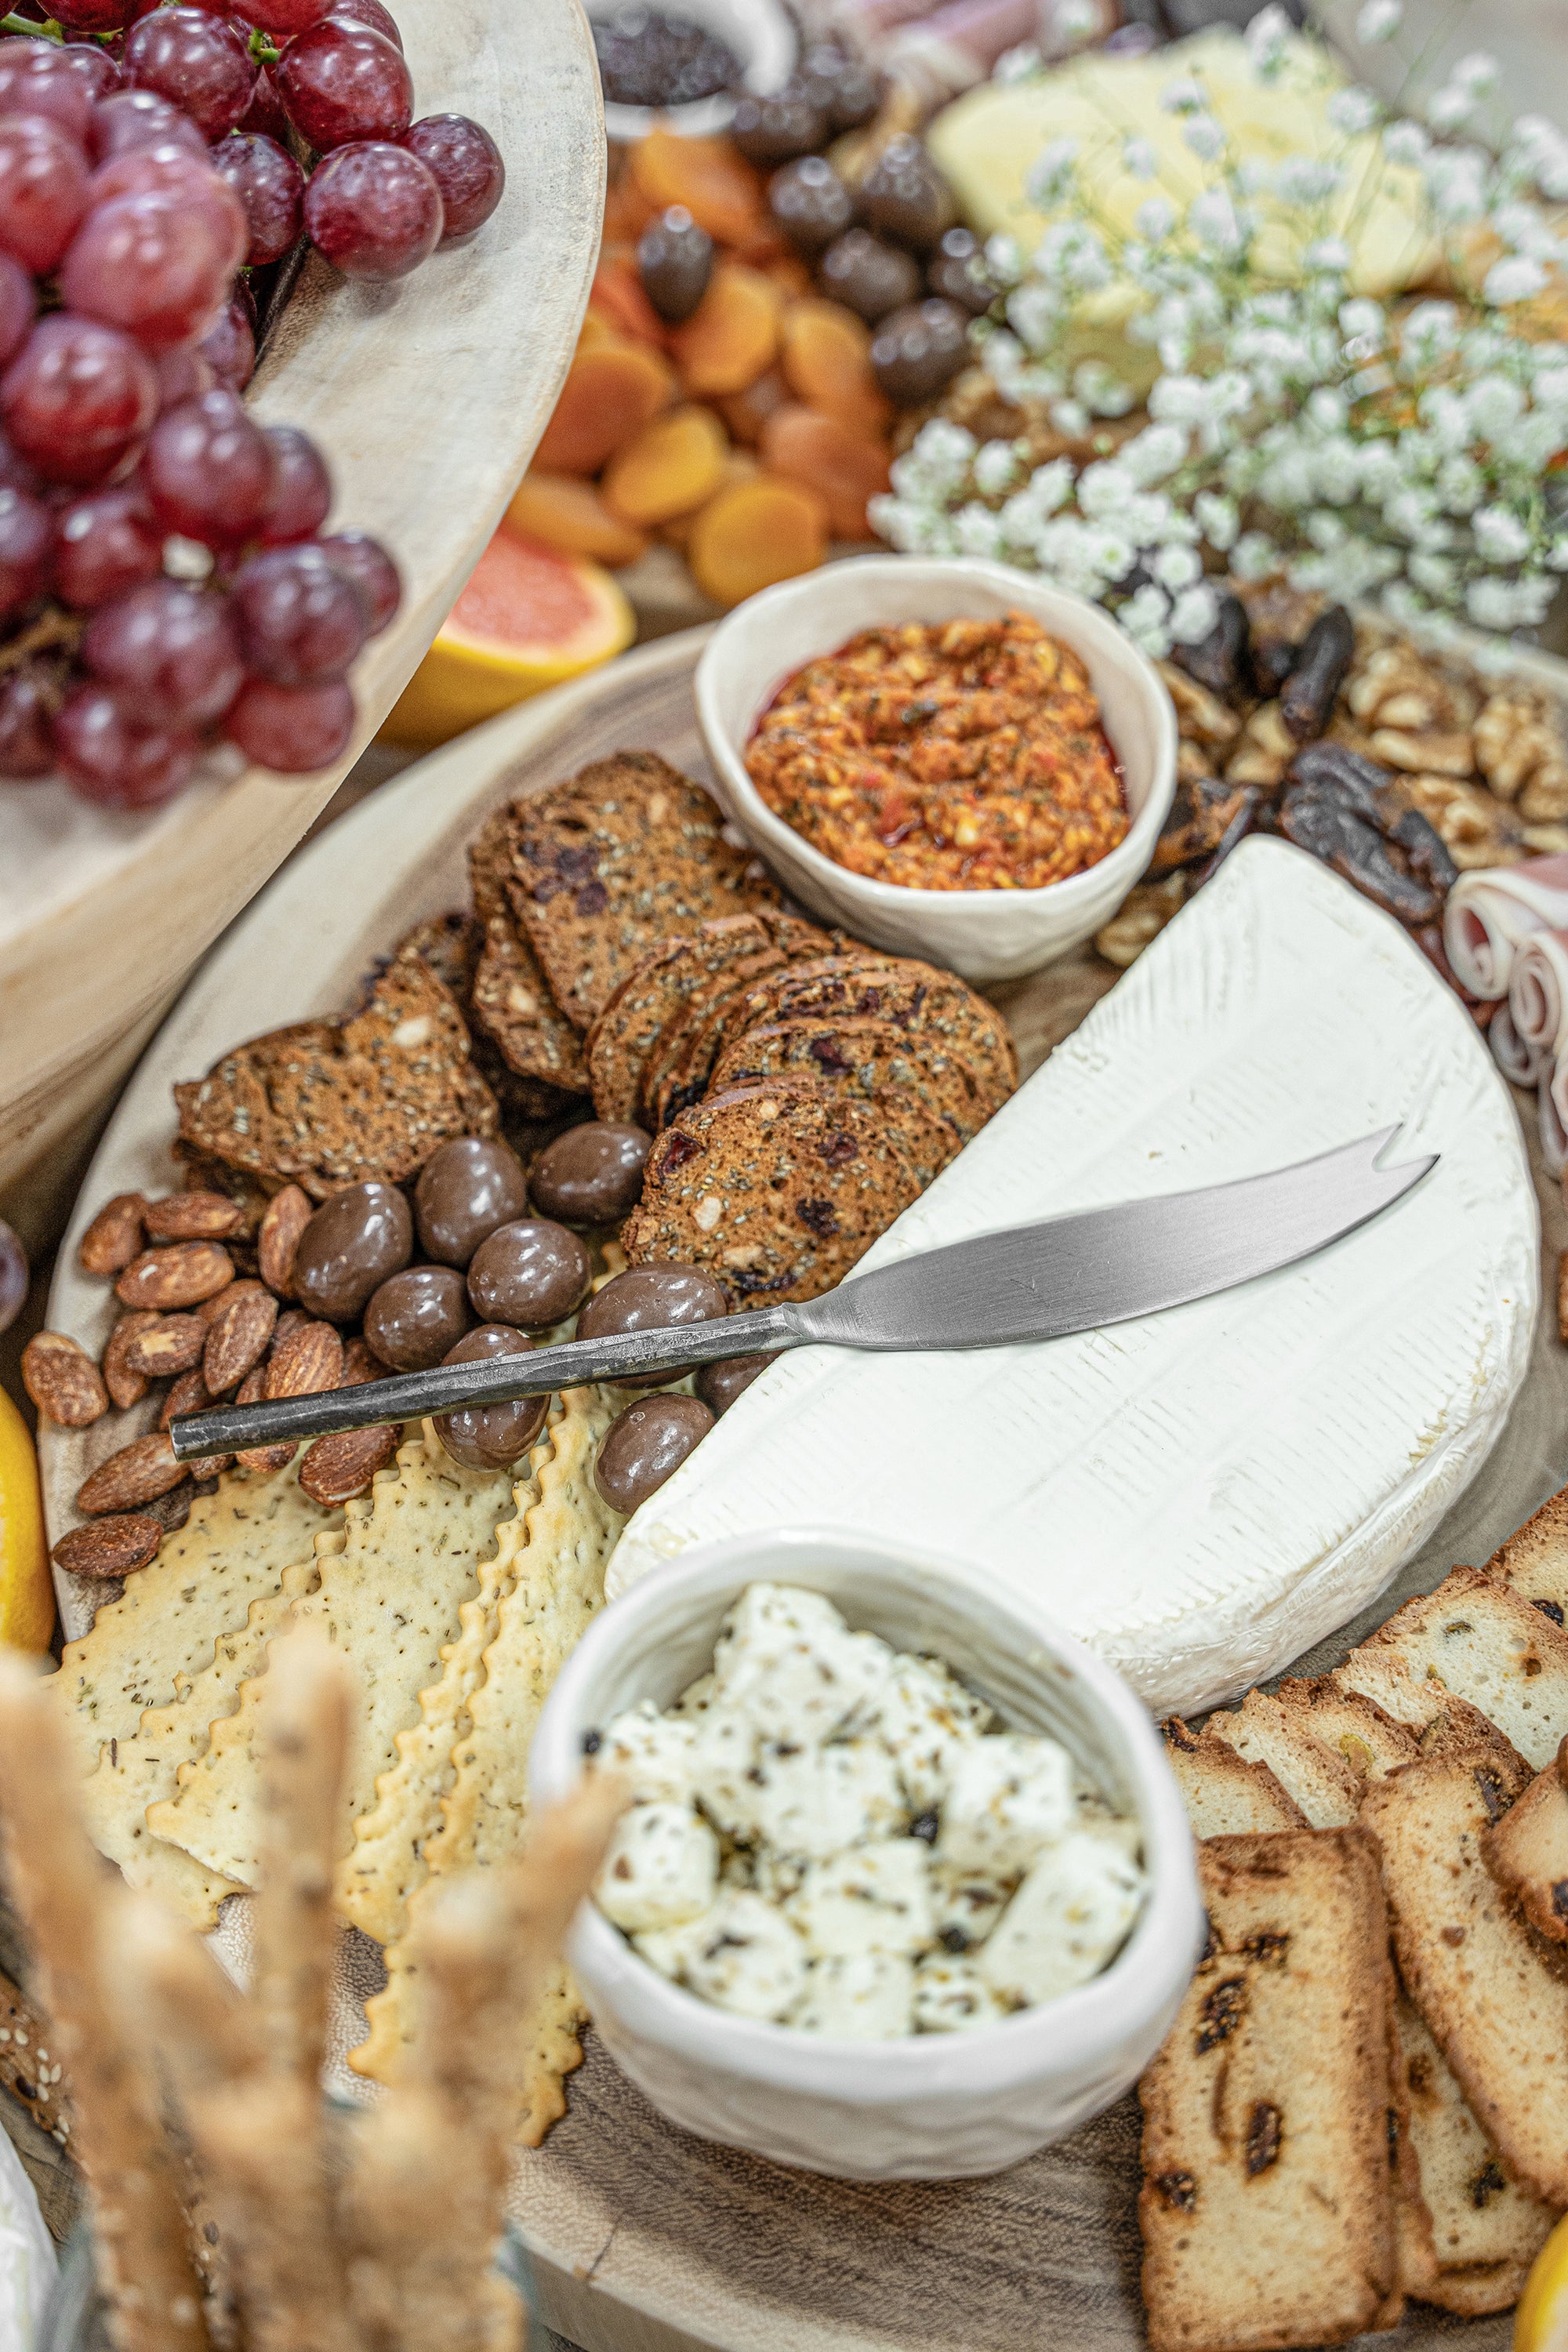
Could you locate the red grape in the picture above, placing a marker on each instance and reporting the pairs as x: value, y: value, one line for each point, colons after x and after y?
x: 270, y: 185
x: 106, y: 543
x: 148, y: 170
x: 13, y: 1276
x: 169, y: 653
x: 304, y: 493
x: 92, y: 66
x: 229, y: 346
x: 17, y: 304
x: 299, y: 620
x: 198, y: 62
x: 286, y: 17
x: 209, y: 471
x: 156, y: 265
x: 76, y: 397
x: 292, y: 728
x: 373, y: 209
x: 468, y: 169
x: 356, y: 557
x: 43, y: 190
x: 127, y: 119
x: 111, y: 760
x: 370, y: 13
x: 26, y: 749
x: 92, y: 15
x: 35, y: 78
x: 183, y: 375
x: 264, y: 117
x: 340, y: 82
x: 26, y: 545
x: 15, y: 474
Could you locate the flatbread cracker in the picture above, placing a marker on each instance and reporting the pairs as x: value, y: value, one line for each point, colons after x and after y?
x: 392, y: 1582
x: 509, y: 998
x: 568, y: 1538
x: 231, y: 1551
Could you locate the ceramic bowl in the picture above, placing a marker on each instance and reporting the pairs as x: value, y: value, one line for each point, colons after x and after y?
x: 986, y: 935
x: 934, y: 2107
x: 759, y: 31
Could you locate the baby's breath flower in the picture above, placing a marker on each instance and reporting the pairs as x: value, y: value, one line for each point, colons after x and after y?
x: 1204, y: 136
x: 1020, y: 64
x: 1194, y: 613
x: 1071, y: 418
x: 1405, y: 144
x: 1514, y: 280
x: 1073, y: 21
x: 1328, y: 256
x: 1102, y: 392
x: 1218, y: 518
x: 1182, y: 95
x: 1155, y: 218
x: 1479, y: 71
x: 1500, y: 535
x: 1307, y: 179
x: 1268, y: 40
x: 1379, y: 20
x: 1351, y: 112
x: 997, y: 466
x: 1254, y: 556
x: 1447, y: 107
x: 1139, y: 158
x: 1050, y: 178
x: 1213, y: 220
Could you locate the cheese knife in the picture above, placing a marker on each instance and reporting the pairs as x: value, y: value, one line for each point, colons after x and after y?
x: 1071, y: 1273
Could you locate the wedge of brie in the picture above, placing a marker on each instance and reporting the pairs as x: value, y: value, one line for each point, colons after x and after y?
x: 1203, y: 1492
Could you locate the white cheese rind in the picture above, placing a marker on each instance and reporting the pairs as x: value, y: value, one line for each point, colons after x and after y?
x: 1201, y: 1494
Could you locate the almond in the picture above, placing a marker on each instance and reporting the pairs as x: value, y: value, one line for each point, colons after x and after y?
x: 170, y: 1344
x: 124, y: 1385
x: 263, y: 1460
x: 253, y: 1387
x: 360, y: 1363
x: 307, y: 1361
x: 188, y: 1394
x: 210, y: 1309
x: 238, y: 1334
x: 292, y: 1319
x: 114, y: 1236
x: 288, y: 1214
x: 180, y: 1274
x: 344, y: 1464
x: 63, y: 1380
x: 139, y: 1471
x: 108, y: 1547
x: 192, y: 1217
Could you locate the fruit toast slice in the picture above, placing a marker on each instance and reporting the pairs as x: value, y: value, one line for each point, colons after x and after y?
x: 1481, y: 1641
x: 1224, y: 1794
x: 1527, y: 1851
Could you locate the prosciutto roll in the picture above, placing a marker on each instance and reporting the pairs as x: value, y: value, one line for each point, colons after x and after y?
x: 1493, y: 911
x: 1538, y: 994
x: 1554, y: 1139
x: 1520, y: 1063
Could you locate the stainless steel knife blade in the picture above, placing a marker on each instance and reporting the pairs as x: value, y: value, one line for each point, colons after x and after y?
x: 1070, y: 1272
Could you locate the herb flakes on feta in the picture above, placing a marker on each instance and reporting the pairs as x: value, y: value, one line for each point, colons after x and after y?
x: 1069, y: 1918
x: 859, y: 1997
x: 873, y: 1898
x: 661, y: 1868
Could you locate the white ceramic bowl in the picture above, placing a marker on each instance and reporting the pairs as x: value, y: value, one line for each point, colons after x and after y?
x: 934, y: 2106
x: 984, y: 934
x: 759, y: 31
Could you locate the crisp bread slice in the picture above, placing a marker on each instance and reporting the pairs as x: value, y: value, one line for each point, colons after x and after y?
x: 392, y: 1584
x: 866, y: 1058
x: 1224, y: 1794
x: 509, y: 997
x: 1320, y: 1782
x: 452, y: 945
x: 679, y: 1066
x: 627, y: 852
x: 922, y: 1001
x: 1534, y: 1560
x: 1268, y: 2200
x: 1484, y: 2230
x: 386, y: 1861
x: 568, y: 1536
x: 1527, y: 1851
x: 330, y: 1104
x: 233, y: 1550
x: 1348, y: 1726
x: 777, y: 1189
x: 1496, y: 2010
x: 1480, y: 1640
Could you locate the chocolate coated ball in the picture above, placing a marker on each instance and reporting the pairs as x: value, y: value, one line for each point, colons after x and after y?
x: 845, y: 89
x: 651, y: 1298
x: 645, y: 1445
x: 417, y: 1315
x: 675, y: 259
x: 906, y: 196
x: 531, y: 1273
x: 771, y: 130
x: 915, y: 352
x: 872, y: 278
x: 491, y: 1436
x: 720, y: 1384
x: 350, y: 1246
x: 465, y: 1191
x: 956, y: 272
x: 592, y: 1175
x: 810, y: 203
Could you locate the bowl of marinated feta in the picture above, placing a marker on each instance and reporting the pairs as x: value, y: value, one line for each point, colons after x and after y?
x: 904, y: 1890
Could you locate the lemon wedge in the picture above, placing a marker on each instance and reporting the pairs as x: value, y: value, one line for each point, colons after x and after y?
x: 1541, y: 2323
x: 27, y: 1590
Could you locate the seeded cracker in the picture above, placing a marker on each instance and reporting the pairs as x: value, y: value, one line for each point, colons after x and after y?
x: 510, y: 999
x: 392, y: 1582
x: 623, y: 855
x: 327, y: 1104
x: 862, y: 1057
x: 568, y: 1538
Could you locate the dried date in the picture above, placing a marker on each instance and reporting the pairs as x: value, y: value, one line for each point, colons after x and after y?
x: 1306, y: 694
x: 1223, y: 660
x: 1334, y: 768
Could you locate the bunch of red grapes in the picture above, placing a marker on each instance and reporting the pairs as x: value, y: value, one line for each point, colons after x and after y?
x: 164, y: 581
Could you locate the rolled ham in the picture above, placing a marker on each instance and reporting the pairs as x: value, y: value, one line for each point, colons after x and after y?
x: 1522, y: 1065
x: 1491, y: 912
x: 1554, y: 1139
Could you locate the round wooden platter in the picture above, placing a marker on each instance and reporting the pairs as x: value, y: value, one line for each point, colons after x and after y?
x: 645, y: 2238
x: 428, y: 397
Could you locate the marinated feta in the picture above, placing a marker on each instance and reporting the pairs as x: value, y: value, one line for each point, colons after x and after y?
x: 825, y: 1834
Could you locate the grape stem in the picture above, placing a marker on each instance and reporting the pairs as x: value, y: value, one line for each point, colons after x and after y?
x: 265, y: 50
x: 48, y: 30
x: 51, y: 629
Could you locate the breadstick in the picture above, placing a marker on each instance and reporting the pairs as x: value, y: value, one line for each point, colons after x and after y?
x: 305, y: 1731
x: 71, y: 1906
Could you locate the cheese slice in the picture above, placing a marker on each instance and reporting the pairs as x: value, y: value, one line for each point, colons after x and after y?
x: 1200, y: 1494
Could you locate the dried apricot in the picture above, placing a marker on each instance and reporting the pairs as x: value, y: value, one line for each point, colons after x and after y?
x: 746, y: 413
x: 826, y: 359
x: 730, y: 338
x: 740, y: 466
x: 671, y: 467
x: 617, y: 291
x: 613, y: 389
x: 760, y: 531
x: 563, y: 512
x: 627, y: 211
x: 843, y: 467
x: 718, y: 187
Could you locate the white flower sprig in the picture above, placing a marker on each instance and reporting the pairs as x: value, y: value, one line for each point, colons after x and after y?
x: 1377, y: 448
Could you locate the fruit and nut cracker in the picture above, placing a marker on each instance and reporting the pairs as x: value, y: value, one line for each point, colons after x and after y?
x: 509, y: 997
x: 326, y: 1104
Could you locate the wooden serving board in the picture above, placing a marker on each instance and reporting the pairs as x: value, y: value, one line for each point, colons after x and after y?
x: 645, y: 2238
